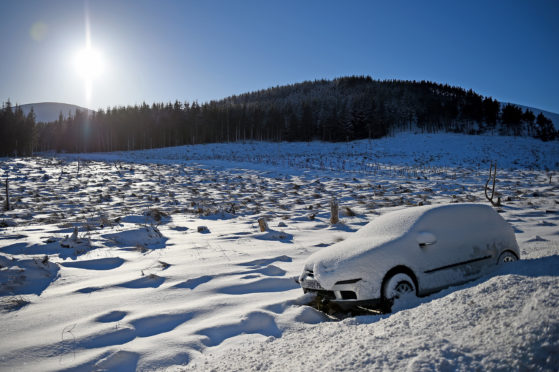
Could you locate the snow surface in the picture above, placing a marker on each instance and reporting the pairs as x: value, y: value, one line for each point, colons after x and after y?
x: 137, y: 286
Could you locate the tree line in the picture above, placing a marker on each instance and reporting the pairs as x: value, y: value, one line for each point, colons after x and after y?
x: 342, y: 109
x: 18, y: 136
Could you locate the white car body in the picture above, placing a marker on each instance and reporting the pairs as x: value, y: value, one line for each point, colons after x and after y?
x: 437, y: 246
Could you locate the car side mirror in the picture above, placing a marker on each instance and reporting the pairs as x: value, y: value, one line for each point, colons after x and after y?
x: 426, y: 238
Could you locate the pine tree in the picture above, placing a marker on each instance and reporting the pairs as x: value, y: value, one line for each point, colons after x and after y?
x: 512, y: 118
x: 545, y: 129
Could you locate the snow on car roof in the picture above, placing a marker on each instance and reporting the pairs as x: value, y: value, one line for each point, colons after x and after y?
x: 394, y: 225
x: 399, y: 222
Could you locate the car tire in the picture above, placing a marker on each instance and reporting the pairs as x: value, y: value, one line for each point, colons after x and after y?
x: 398, y: 285
x: 505, y: 257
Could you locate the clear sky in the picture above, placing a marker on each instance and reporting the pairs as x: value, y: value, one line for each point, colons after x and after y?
x: 160, y: 51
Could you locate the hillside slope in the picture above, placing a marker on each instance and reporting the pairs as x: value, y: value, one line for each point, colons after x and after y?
x: 49, y: 111
x: 551, y: 115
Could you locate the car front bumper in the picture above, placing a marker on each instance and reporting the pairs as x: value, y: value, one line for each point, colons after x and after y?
x: 346, y: 296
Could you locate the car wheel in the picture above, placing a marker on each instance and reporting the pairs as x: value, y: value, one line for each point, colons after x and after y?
x: 397, y: 286
x: 507, y: 256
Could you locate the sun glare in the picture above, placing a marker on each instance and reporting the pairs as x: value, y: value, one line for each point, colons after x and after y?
x: 90, y: 66
x: 89, y: 63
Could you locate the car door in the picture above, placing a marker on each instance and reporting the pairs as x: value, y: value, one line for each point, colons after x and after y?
x: 450, y: 247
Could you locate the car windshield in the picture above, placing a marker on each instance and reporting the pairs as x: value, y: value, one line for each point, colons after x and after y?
x: 392, y: 224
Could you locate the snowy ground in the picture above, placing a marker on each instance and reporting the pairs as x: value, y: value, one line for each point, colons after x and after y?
x: 108, y: 266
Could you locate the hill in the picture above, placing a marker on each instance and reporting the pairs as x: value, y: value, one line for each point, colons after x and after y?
x: 49, y: 111
x: 338, y: 110
x: 343, y: 109
x: 554, y: 117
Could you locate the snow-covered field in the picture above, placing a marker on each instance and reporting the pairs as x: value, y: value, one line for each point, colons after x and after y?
x: 154, y: 259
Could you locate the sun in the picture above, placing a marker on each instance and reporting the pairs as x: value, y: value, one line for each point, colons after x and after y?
x: 89, y: 63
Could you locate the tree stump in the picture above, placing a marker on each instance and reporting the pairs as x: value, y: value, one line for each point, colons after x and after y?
x: 334, y: 212
x: 7, y: 202
x: 263, y: 224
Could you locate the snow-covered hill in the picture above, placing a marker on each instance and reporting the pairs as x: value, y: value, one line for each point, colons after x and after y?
x: 554, y: 117
x: 153, y: 259
x: 49, y: 111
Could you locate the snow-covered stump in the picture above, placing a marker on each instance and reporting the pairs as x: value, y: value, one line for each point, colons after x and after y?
x: 334, y: 212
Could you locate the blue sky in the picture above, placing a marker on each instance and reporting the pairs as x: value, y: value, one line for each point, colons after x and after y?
x: 202, y: 50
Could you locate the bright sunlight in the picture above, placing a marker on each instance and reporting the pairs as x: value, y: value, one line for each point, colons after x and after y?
x: 89, y: 63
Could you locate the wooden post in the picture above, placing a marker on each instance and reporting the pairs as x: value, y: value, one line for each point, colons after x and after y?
x: 7, y: 204
x: 263, y: 224
x: 334, y: 209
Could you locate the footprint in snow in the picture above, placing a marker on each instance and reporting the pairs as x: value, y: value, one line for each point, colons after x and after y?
x: 112, y: 316
x: 89, y: 289
x: 148, y: 281
x: 322, y: 245
x: 259, y: 286
x: 266, y: 261
x: 250, y: 276
x: 96, y: 264
x: 194, y: 282
x: 161, y: 323
x: 270, y: 270
x: 112, y: 337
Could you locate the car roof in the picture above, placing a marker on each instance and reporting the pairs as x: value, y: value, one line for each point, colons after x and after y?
x: 395, y: 225
x: 399, y: 222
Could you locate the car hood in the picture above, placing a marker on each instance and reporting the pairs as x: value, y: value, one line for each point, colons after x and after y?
x: 344, y: 263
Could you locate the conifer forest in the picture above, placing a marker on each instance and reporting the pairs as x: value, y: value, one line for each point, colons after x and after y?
x: 342, y: 109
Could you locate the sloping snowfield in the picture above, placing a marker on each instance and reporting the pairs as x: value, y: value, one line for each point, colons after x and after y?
x: 154, y: 260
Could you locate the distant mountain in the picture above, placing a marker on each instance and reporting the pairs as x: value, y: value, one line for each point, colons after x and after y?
x: 49, y: 111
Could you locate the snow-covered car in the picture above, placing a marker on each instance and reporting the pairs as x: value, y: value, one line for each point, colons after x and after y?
x: 414, y: 251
